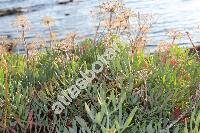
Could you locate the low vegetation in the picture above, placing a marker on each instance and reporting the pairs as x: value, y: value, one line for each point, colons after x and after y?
x: 136, y: 92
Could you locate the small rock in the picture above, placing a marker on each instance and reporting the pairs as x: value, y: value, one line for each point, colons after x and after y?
x: 67, y: 14
x: 64, y: 2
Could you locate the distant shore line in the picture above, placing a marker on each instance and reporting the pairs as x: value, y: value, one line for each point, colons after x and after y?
x: 23, y: 10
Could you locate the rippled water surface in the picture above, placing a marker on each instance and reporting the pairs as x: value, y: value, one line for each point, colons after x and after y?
x: 75, y: 16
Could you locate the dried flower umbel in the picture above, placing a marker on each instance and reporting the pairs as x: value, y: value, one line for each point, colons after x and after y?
x: 10, y: 46
x: 49, y: 22
x: 116, y: 19
x: 110, y: 19
x: 68, y: 43
x: 3, y: 39
x: 7, y: 44
x: 111, y: 6
x: 40, y: 41
x: 175, y: 34
x: 32, y: 49
x: 164, y: 46
x: 114, y: 16
x: 37, y: 44
x: 23, y: 25
x: 67, y: 48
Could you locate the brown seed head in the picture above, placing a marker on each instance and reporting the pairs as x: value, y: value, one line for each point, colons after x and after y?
x: 22, y: 23
x: 48, y: 21
x: 111, y: 6
x: 175, y: 34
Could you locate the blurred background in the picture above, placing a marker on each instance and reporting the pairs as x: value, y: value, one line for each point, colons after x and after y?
x: 75, y: 16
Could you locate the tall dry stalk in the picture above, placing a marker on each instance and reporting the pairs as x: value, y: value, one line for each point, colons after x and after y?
x: 7, y: 97
x: 116, y: 19
x: 193, y: 45
x: 26, y: 47
x: 174, y: 35
x: 49, y: 22
x: 23, y: 24
x: 4, y: 66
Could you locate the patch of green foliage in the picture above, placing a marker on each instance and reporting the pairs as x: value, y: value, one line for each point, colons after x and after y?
x: 133, y: 93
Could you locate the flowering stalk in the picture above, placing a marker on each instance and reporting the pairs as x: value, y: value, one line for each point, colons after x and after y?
x: 26, y: 47
x: 51, y: 36
x: 188, y: 35
x: 48, y: 23
x: 6, y: 93
x: 96, y: 34
x: 23, y: 24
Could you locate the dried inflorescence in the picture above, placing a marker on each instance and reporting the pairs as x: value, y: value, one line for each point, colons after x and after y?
x: 138, y: 35
x: 116, y: 19
x: 2, y: 50
x: 7, y: 44
x: 37, y: 43
x: 119, y: 22
x: 111, y: 6
x: 48, y: 21
x: 175, y: 34
x: 68, y: 42
x: 32, y: 49
x: 164, y: 46
x: 41, y: 43
x: 3, y: 39
x: 22, y: 23
x: 114, y: 16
